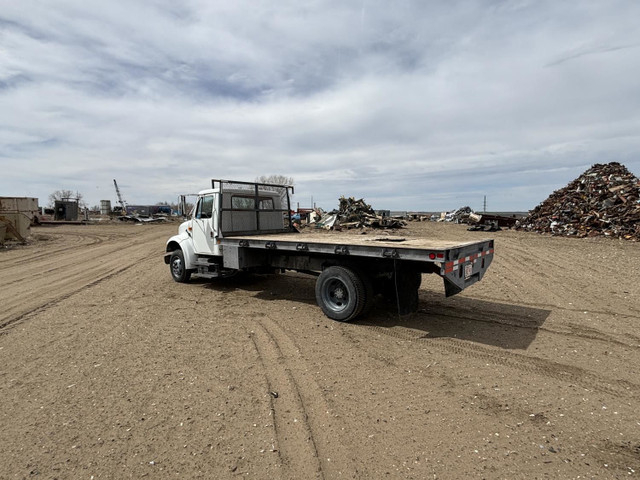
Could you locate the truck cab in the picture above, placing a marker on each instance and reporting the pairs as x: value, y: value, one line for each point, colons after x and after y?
x: 228, y: 208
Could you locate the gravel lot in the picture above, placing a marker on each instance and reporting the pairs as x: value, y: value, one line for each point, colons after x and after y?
x: 109, y: 369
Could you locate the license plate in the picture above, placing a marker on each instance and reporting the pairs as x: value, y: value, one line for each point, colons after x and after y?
x: 468, y: 270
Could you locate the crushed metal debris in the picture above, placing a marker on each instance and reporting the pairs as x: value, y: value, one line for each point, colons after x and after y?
x: 354, y: 213
x: 603, y: 201
x: 459, y: 215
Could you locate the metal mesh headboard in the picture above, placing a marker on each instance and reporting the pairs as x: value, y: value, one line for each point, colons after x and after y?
x: 251, y: 212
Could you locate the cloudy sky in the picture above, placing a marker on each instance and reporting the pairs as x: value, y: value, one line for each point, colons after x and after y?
x: 420, y: 105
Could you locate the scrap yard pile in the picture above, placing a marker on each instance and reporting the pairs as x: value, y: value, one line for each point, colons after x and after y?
x: 604, y: 200
x: 459, y: 215
x: 354, y: 213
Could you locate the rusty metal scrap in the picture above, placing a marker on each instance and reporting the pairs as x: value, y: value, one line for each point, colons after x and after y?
x: 603, y: 201
x: 354, y: 213
x: 490, y: 219
x: 459, y: 215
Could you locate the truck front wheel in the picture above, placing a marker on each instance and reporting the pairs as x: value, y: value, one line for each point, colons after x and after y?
x: 179, y: 270
x: 340, y: 293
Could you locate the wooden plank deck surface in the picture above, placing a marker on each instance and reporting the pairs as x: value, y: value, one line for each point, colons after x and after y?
x: 359, y: 240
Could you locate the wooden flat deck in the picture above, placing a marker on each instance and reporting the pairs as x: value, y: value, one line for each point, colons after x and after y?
x: 359, y: 240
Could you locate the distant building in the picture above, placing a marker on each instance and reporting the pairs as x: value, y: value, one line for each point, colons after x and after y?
x: 66, y: 210
x: 18, y: 212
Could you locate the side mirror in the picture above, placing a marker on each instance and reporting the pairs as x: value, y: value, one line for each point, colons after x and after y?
x: 183, y: 206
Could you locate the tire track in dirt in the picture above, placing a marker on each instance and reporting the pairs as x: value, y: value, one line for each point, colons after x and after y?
x: 296, y: 443
x: 519, y: 260
x: 545, y: 305
x: 27, y: 292
x: 571, y: 265
x: 558, y: 278
x: 81, y: 243
x: 78, y: 240
x: 5, y: 324
x: 328, y: 447
x: 45, y: 268
x: 511, y: 282
x: 554, y: 280
x: 558, y: 371
x: 568, y: 329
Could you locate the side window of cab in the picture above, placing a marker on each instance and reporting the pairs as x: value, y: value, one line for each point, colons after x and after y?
x: 204, y: 208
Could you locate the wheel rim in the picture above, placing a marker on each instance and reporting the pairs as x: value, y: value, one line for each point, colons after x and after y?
x: 335, y: 295
x: 176, y: 267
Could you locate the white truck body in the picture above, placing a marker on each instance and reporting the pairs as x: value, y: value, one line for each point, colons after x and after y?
x: 243, y: 227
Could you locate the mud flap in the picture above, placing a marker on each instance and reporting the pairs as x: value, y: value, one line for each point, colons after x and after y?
x: 450, y: 288
x: 407, y: 301
x: 408, y: 282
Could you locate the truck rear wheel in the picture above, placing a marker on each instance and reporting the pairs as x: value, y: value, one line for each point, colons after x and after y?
x: 340, y: 293
x: 369, y: 293
x: 178, y: 268
x: 388, y: 286
x: 408, y: 285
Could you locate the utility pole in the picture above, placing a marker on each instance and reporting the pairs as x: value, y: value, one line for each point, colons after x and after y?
x: 484, y: 209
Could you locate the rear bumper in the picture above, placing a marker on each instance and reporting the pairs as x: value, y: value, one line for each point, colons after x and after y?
x: 469, y: 267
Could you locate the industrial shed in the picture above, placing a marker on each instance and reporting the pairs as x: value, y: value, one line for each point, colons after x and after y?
x: 16, y: 214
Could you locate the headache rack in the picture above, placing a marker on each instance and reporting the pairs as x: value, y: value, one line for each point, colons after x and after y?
x: 245, y: 210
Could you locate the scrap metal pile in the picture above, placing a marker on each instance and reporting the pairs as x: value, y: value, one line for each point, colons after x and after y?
x: 604, y: 200
x: 354, y: 213
x: 459, y: 215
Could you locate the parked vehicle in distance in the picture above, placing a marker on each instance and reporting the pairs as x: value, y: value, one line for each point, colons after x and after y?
x: 247, y: 227
x: 44, y: 214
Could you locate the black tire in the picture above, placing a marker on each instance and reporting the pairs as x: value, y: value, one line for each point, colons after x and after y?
x: 386, y: 287
x: 369, y: 293
x: 414, y: 279
x: 340, y: 293
x: 177, y: 267
x: 406, y: 279
x: 408, y: 284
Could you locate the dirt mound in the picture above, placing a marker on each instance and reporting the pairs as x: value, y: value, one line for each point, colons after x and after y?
x: 604, y: 200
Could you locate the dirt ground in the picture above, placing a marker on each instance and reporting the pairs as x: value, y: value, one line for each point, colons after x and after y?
x: 110, y: 369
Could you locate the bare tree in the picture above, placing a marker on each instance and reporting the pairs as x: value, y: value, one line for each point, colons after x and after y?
x: 65, y: 195
x: 276, y: 179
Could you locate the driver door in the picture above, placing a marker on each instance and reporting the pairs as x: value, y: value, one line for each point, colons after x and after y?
x: 202, y: 225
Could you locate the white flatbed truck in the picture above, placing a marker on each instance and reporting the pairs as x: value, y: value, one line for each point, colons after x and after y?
x: 246, y: 227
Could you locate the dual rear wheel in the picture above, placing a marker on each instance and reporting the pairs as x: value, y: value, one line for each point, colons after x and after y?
x: 343, y: 293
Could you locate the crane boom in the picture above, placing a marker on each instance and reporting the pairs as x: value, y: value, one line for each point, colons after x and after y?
x: 120, y: 200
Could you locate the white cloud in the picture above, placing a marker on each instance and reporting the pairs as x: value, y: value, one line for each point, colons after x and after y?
x: 416, y: 105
